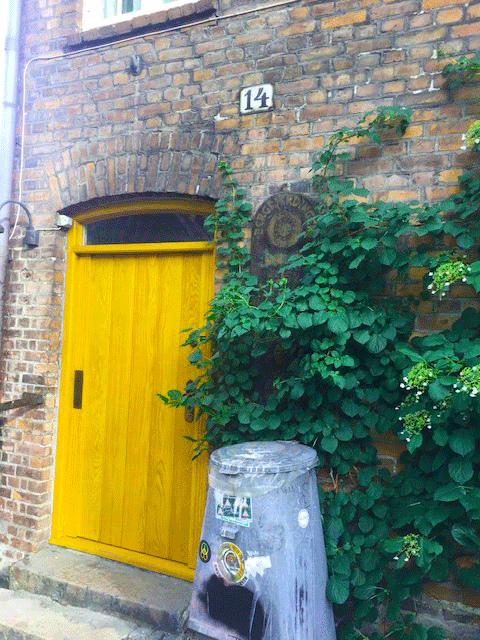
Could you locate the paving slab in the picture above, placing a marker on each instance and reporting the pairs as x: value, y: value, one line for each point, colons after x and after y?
x: 82, y: 580
x: 26, y: 616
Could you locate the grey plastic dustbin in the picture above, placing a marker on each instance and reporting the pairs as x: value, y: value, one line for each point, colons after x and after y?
x: 261, y: 568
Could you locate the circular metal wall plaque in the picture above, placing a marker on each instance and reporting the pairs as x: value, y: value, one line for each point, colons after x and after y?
x: 277, y: 226
x: 284, y: 228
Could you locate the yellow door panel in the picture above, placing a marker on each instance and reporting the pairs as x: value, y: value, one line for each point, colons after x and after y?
x: 126, y: 486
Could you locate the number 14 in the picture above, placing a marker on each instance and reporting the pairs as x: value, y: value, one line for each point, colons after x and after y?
x: 257, y: 98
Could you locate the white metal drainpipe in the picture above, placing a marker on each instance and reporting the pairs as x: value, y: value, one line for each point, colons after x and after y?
x: 9, y: 75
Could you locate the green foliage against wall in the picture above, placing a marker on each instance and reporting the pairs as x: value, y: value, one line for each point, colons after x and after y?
x: 322, y: 355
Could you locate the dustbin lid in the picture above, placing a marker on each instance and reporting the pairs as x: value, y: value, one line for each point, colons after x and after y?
x: 264, y: 457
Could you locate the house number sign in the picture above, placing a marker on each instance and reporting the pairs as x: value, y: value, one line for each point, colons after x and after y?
x: 256, y: 98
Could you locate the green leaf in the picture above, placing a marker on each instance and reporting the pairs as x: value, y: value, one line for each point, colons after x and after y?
x: 440, y: 436
x: 415, y: 442
x: 389, y: 333
x: 462, y: 442
x: 435, y: 633
x: 365, y: 592
x: 466, y: 535
x: 362, y: 336
x: 338, y: 589
x: 304, y: 320
x: 196, y: 356
x: 434, y: 340
x: 369, y: 243
x: 329, y: 443
x: 338, y: 323
x: 365, y: 524
x: 368, y: 560
x: 297, y: 390
x: 407, y: 351
x: 387, y: 256
x: 393, y: 545
x: 427, y: 552
x: 245, y: 415
x: 438, y: 391
x: 465, y: 241
x: 349, y: 407
x: 357, y: 578
x: 435, y: 515
x: 258, y: 425
x: 341, y: 565
x: 460, y: 470
x: 439, y: 570
x: 259, y: 349
x: 354, y: 263
x: 333, y: 531
x: 348, y: 297
x: 316, y: 303
x: 344, y: 432
x: 449, y: 493
x: 376, y: 343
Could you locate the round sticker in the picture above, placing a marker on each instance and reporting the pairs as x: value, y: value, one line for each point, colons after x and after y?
x: 230, y: 564
x: 303, y: 518
x: 204, y: 551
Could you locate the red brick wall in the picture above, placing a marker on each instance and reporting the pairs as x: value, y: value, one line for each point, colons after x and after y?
x: 94, y: 130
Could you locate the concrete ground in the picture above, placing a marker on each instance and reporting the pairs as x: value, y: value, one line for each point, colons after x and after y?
x: 59, y: 594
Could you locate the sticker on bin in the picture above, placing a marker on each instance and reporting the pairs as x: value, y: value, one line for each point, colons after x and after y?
x: 230, y: 564
x: 236, y: 509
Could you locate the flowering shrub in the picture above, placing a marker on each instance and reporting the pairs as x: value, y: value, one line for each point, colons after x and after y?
x: 323, y: 357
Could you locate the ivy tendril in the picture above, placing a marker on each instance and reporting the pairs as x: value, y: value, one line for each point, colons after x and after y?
x: 447, y: 274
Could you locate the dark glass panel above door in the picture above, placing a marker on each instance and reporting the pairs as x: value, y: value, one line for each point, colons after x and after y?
x: 147, y: 228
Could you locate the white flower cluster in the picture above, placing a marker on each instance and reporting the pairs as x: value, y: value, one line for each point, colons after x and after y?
x: 419, y: 377
x: 469, y: 381
x: 447, y: 274
x: 472, y: 137
x: 414, y: 423
x: 443, y: 405
x: 411, y: 546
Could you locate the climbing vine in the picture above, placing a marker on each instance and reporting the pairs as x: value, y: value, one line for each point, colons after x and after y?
x: 324, y: 355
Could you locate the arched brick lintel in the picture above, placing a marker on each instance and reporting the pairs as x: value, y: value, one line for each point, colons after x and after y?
x: 185, y: 164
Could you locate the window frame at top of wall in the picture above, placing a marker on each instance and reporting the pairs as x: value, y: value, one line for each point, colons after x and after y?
x: 89, y: 23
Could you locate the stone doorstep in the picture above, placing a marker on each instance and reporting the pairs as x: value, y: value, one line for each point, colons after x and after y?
x: 27, y: 616
x: 100, y: 585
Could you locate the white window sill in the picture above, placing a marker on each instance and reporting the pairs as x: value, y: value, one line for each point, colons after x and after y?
x: 141, y: 23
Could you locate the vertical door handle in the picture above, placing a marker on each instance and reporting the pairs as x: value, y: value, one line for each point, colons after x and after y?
x: 77, y: 389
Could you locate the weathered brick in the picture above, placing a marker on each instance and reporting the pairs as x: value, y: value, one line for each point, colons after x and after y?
x: 463, y: 30
x: 449, y: 15
x: 353, y: 17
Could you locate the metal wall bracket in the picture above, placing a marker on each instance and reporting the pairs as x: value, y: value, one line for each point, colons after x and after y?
x: 136, y: 65
x: 26, y: 400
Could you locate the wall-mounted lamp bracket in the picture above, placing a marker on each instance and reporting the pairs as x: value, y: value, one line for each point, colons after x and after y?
x: 32, y: 236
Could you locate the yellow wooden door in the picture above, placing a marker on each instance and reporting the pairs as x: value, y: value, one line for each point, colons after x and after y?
x: 126, y: 486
